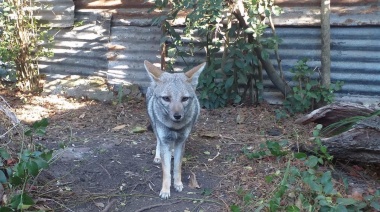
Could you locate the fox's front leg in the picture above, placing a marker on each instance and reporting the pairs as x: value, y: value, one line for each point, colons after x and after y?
x: 179, y: 149
x: 157, y: 157
x: 165, y: 154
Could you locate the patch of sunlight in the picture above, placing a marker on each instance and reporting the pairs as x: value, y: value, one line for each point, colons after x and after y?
x: 39, y: 107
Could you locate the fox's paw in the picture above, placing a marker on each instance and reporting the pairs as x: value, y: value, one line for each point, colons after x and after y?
x: 157, y: 160
x: 164, y: 194
x: 178, y: 187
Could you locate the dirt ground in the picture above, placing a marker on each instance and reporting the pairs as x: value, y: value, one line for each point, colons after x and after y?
x: 107, y: 163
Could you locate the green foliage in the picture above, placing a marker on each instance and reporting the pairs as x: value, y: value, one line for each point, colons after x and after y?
x: 21, y: 40
x: 234, y: 72
x: 310, y: 187
x: 269, y: 148
x: 38, y: 128
x: 307, y: 91
x: 234, y: 208
x: 20, y: 175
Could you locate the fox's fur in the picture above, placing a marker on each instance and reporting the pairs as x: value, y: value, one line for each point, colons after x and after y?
x: 173, y: 109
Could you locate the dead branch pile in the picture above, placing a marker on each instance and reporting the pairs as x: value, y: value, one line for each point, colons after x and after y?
x: 8, y: 121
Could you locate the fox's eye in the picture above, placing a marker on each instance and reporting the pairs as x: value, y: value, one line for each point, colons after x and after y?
x: 184, y: 99
x: 166, y: 98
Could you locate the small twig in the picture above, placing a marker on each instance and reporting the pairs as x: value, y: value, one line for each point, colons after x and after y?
x: 155, y: 206
x: 145, y: 181
x: 297, y: 143
x: 220, y: 135
x: 225, y: 204
x: 3, y: 135
x: 64, y: 184
x: 211, y: 159
x: 243, y: 143
x: 106, y: 171
x: 62, y: 205
x: 108, y: 206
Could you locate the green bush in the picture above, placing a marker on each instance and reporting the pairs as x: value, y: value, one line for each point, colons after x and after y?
x: 234, y: 73
x: 308, y: 92
x: 313, y: 188
x: 21, y: 37
x: 18, y: 177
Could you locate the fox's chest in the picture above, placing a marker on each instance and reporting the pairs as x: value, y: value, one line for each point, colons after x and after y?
x: 174, y: 136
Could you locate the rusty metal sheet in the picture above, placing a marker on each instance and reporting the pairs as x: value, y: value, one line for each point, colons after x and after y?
x: 112, y: 4
x: 131, y: 45
x: 56, y: 13
x: 81, y: 50
x: 125, y: 12
x: 354, y: 58
x: 343, y: 13
x: 296, y: 13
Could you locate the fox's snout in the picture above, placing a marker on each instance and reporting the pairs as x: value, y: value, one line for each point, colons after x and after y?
x: 176, y: 111
x: 177, y: 116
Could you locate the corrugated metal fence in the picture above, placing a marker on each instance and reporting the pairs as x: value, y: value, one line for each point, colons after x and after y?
x: 355, y: 57
x: 80, y: 49
x: 58, y: 13
x: 355, y: 42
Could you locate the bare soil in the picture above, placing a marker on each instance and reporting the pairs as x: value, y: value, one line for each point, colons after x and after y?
x: 107, y: 163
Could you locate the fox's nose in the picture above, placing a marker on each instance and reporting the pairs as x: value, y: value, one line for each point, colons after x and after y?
x: 177, y: 116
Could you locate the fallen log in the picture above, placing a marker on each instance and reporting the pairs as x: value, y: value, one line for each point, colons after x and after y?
x: 335, y: 112
x: 360, y: 144
x: 354, y: 131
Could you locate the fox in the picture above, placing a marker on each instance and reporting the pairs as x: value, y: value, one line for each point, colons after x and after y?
x: 173, y: 109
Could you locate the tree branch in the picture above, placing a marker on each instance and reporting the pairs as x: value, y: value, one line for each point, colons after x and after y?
x: 267, y: 65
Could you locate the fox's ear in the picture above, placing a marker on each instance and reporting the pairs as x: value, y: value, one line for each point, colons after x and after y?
x: 193, y: 74
x: 153, y: 72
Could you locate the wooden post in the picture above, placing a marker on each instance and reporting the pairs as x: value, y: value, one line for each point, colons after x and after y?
x: 325, y: 38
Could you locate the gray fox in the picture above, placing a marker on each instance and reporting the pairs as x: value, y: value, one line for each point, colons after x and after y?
x: 173, y: 109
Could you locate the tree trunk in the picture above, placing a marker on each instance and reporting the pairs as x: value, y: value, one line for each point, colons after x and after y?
x: 325, y: 38
x: 267, y: 65
x: 273, y: 75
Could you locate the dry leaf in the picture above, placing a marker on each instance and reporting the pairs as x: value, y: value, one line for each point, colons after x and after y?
x: 139, y: 129
x: 193, y: 181
x: 117, y: 128
x: 248, y: 167
x: 357, y: 194
x: 371, y: 191
x: 357, y: 168
x: 82, y: 116
x: 210, y: 135
x: 115, y: 47
x: 99, y: 204
x: 240, y: 118
x: 206, y: 152
x: 111, y: 56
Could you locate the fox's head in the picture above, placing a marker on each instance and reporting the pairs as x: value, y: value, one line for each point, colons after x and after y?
x: 174, y: 92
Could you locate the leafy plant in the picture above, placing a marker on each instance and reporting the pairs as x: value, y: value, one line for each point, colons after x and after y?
x: 21, y: 40
x: 307, y: 187
x: 231, y: 33
x: 308, y: 92
x: 269, y: 148
x: 18, y: 174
